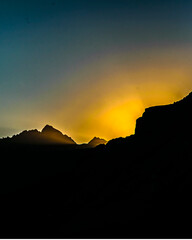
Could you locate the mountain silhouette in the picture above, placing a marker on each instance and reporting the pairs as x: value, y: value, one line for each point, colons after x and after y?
x: 97, y: 141
x: 133, y: 187
x: 56, y: 136
x: 48, y: 135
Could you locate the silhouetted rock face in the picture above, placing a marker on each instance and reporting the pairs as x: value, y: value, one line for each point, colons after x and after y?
x: 55, y: 135
x: 49, y: 129
x: 172, y: 121
x: 97, y: 141
x: 26, y: 137
x: 48, y: 135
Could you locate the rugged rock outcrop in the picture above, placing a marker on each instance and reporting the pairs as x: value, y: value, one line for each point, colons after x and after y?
x: 172, y: 121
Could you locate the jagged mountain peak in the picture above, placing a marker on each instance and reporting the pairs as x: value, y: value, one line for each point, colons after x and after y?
x: 48, y: 135
x: 97, y: 141
x: 55, y: 135
x: 49, y: 129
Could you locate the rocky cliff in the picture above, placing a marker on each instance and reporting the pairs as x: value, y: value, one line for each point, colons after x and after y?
x: 172, y: 121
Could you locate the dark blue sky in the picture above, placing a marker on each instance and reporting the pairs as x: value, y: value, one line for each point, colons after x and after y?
x: 56, y: 57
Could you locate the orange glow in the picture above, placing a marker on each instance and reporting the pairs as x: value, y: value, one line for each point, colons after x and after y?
x: 120, y: 118
x: 106, y: 98
x: 109, y: 106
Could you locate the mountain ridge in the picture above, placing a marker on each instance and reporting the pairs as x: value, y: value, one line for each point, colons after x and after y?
x: 48, y: 135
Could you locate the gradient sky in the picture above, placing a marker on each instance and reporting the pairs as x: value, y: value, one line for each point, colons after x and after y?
x: 91, y: 67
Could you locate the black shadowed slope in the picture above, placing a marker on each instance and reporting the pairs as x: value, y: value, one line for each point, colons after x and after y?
x: 134, y: 187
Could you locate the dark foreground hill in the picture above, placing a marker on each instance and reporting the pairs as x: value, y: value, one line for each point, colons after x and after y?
x: 134, y: 187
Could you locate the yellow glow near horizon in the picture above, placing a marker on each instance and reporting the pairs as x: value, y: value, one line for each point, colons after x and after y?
x: 120, y: 118
x: 109, y: 106
x: 105, y: 99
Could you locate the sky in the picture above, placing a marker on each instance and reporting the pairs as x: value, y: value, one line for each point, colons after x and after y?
x: 90, y: 67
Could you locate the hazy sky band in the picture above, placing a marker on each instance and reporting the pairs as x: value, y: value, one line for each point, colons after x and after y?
x: 60, y: 60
